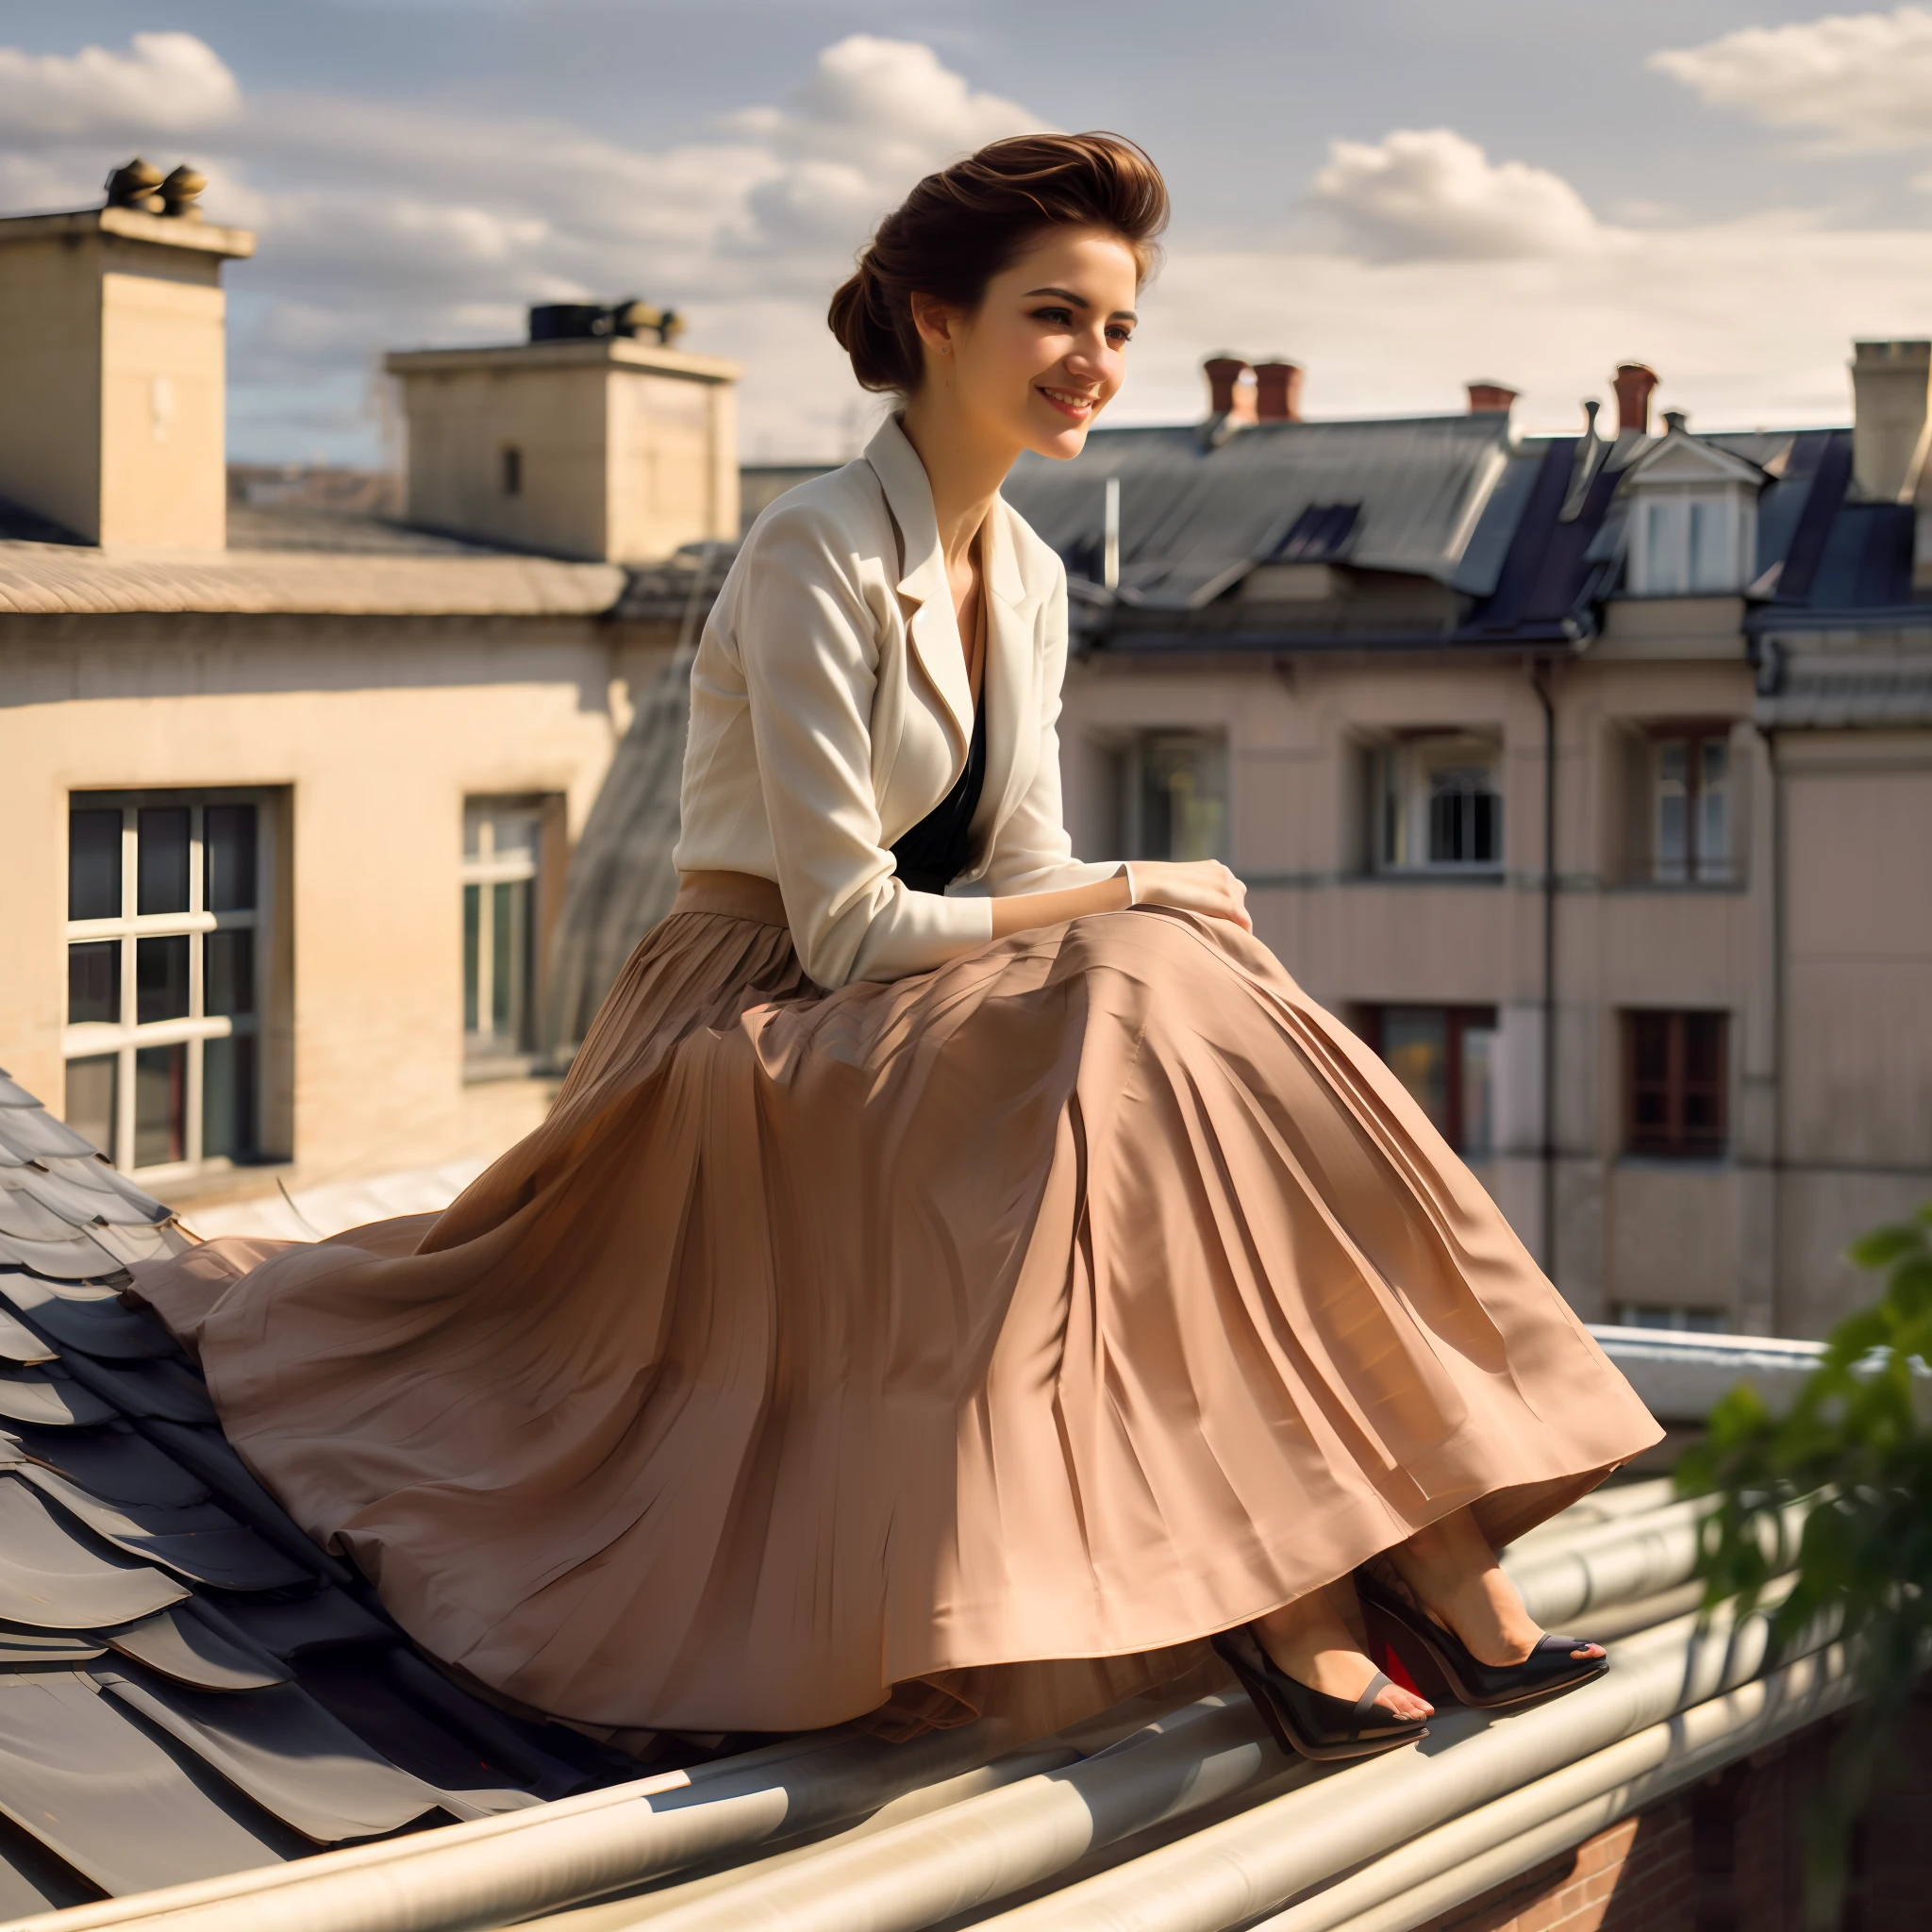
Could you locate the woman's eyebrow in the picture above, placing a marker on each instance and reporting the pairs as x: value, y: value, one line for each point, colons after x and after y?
x: 1079, y: 302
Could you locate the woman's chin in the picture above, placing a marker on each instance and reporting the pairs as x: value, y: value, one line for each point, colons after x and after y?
x: 1061, y: 441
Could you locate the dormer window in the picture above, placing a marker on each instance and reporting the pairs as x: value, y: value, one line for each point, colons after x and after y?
x: 1692, y: 520
x: 1691, y: 543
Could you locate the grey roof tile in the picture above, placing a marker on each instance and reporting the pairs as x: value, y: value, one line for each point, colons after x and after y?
x: 322, y: 1621
x: 33, y: 1134
x: 103, y: 1194
x: 19, y: 1345
x: 106, y: 1798
x: 296, y: 1761
x: 56, y: 1576
x: 114, y: 1463
x: 183, y: 1645
x: 200, y: 1543
x: 20, y: 1643
x: 160, y: 1388
x: 101, y: 1327
x: 50, y: 1399
x: 26, y: 1217
x: 78, y: 1257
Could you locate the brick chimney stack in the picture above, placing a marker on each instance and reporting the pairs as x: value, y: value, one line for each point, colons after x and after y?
x: 1486, y: 396
x: 1278, y: 392
x: 1634, y: 384
x: 1227, y: 395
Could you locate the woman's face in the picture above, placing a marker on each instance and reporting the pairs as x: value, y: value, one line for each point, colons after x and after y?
x: 1046, y: 349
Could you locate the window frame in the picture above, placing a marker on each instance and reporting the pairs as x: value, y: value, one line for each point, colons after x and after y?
x: 1673, y: 1142
x: 1459, y: 1021
x: 1402, y: 795
x: 1669, y: 568
x: 485, y: 1051
x: 1694, y: 734
x: 125, y: 1038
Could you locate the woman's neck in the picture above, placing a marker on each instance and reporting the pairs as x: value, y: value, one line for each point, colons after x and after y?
x: 964, y: 470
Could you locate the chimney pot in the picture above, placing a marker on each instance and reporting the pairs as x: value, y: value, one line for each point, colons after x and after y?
x: 1227, y: 395
x: 1674, y: 421
x: 1634, y: 384
x: 1278, y: 392
x: 1891, y: 405
x: 1484, y: 396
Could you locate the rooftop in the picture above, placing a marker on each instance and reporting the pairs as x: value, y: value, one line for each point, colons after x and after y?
x: 205, y: 1721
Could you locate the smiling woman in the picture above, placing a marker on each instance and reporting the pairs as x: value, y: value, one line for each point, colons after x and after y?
x: 955, y: 1277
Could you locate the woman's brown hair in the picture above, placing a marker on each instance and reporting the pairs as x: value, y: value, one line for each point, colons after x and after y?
x: 959, y: 229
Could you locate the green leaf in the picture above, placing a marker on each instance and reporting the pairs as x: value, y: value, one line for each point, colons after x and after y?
x: 1884, y: 1245
x: 1909, y: 1290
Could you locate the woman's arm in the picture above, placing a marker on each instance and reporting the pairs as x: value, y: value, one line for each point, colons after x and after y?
x: 1203, y: 886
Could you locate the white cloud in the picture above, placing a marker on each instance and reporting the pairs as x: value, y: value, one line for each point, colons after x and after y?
x: 1864, y: 80
x: 166, y: 83
x: 1430, y: 195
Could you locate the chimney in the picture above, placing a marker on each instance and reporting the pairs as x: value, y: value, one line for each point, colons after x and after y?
x: 1634, y: 383
x: 1486, y: 396
x: 594, y: 439
x: 1227, y: 394
x: 1278, y: 392
x: 113, y: 364
x: 1890, y: 382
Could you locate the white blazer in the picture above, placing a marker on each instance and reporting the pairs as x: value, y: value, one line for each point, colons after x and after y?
x: 830, y: 712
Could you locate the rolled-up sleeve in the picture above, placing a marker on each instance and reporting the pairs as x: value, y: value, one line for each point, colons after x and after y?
x: 809, y: 652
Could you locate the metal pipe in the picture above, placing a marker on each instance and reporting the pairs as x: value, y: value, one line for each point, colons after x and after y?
x: 1540, y: 677
x: 1257, y: 1862
x: 1110, y: 537
x: 1458, y: 1862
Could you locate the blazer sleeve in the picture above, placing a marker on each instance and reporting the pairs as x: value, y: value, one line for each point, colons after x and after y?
x: 1031, y: 850
x: 808, y: 647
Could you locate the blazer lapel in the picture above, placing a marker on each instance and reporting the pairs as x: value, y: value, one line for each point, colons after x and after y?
x: 1011, y: 687
x: 932, y: 627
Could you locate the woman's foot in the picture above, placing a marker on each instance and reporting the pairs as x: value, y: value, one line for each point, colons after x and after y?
x: 1310, y: 1641
x: 1451, y: 1573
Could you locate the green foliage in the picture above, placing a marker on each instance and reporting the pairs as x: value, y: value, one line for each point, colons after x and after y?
x: 1854, y: 1452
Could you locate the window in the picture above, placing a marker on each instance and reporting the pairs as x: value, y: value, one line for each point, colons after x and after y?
x: 1688, y: 791
x: 166, y: 905
x: 512, y: 471
x: 1174, y: 796
x: 1690, y: 543
x: 1445, y: 1055
x: 1437, y: 803
x: 502, y: 844
x: 1674, y: 1084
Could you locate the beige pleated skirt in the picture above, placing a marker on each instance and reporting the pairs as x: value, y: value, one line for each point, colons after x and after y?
x: 979, y: 1342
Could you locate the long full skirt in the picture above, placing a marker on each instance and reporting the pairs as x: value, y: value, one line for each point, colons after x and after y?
x: 978, y: 1343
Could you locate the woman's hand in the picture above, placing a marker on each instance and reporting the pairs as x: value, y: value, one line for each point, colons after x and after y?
x: 1203, y: 884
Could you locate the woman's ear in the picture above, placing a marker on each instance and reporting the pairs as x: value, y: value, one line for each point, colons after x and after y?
x: 937, y: 322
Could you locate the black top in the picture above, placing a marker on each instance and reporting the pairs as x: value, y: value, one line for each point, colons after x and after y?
x: 934, y: 853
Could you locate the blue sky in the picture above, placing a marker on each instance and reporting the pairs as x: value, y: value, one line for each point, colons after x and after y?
x: 1400, y: 195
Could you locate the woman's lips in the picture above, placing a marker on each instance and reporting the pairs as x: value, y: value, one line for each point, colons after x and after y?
x: 1070, y: 402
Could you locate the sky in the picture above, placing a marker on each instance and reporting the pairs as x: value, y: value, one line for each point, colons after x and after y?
x: 1401, y: 195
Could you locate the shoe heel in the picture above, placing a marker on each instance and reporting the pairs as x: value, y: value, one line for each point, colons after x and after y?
x: 1418, y: 1659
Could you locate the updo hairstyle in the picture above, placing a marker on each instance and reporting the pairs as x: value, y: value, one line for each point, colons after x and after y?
x: 959, y: 229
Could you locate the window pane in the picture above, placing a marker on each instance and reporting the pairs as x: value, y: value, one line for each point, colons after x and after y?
x: 161, y: 978
x: 1663, y: 542
x: 93, y: 865
x: 1713, y: 812
x: 228, y: 1096
x: 160, y: 1096
x: 227, y: 969
x: 509, y: 929
x: 1464, y: 816
x: 1478, y: 1107
x: 93, y: 1088
x: 164, y: 863
x: 473, y: 913
x: 228, y: 841
x: 1183, y: 798
x: 1673, y: 830
x: 1706, y: 565
x: 1415, y: 1043
x: 93, y: 983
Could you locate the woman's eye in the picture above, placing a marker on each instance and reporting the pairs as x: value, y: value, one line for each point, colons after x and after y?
x: 1063, y: 316
x: 1120, y: 338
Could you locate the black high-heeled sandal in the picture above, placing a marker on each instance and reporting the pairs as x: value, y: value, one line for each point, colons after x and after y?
x: 1547, y: 1671
x: 1311, y: 1721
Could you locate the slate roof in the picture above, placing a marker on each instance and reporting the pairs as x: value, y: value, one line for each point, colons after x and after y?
x: 188, y: 1685
x: 1198, y: 511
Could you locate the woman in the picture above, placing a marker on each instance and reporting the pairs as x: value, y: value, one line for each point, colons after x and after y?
x: 954, y: 1278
